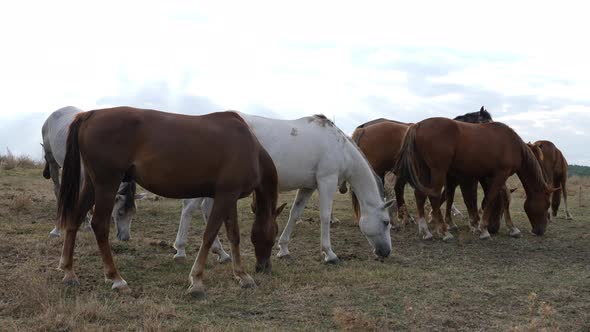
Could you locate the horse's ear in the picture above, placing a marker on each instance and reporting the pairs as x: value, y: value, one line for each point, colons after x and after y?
x: 389, y: 203
x: 280, y: 209
x: 481, y: 110
x: 552, y: 190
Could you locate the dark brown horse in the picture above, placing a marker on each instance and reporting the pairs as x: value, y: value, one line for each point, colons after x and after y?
x: 554, y: 168
x: 437, y: 147
x: 171, y: 155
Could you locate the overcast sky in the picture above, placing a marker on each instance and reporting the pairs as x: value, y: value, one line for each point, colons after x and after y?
x: 526, y: 61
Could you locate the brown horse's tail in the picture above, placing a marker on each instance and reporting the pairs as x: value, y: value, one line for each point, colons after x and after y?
x: 70, y: 176
x: 406, y: 160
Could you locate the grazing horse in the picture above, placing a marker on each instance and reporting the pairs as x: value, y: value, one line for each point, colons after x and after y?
x: 436, y: 147
x: 381, y: 140
x: 469, y: 189
x: 54, y: 133
x: 163, y: 153
x: 554, y: 168
x: 311, y: 153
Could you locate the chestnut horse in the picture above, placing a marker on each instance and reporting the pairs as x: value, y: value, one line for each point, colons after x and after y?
x: 163, y: 152
x: 554, y: 168
x: 381, y: 140
x: 436, y: 147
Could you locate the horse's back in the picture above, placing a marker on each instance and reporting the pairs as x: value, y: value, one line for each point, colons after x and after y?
x: 301, y: 148
x: 554, y: 163
x: 381, y: 143
x: 471, y: 149
x: 177, y: 155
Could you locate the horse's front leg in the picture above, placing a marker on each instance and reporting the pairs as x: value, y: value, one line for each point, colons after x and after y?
x: 469, y: 191
x: 326, y: 188
x: 449, y: 196
x: 495, y: 184
x: 514, y: 232
x: 296, y: 212
x: 220, y: 212
x: 216, y: 247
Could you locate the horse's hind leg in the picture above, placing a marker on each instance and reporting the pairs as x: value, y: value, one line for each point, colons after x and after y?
x: 422, y: 224
x: 54, y: 175
x: 188, y: 208
x: 402, y: 209
x: 85, y: 202
x: 101, y: 221
x: 568, y: 215
x: 222, y: 208
x: 437, y: 181
x: 296, y: 212
x: 555, y: 198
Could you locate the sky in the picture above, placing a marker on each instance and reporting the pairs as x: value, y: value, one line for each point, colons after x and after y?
x: 354, y: 61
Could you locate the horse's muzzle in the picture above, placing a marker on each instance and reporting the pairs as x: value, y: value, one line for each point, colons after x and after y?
x: 382, y: 251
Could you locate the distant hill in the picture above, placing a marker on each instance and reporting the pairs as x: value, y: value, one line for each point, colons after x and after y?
x: 578, y: 170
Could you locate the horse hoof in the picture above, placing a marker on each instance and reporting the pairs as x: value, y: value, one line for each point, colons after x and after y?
x: 427, y: 236
x: 283, y: 253
x: 332, y: 261
x: 485, y: 236
x: 197, y: 293
x: 247, y: 282
x: 224, y: 259
x: 54, y: 235
x: 180, y: 259
x: 448, y: 236
x: 453, y: 227
x: 515, y: 233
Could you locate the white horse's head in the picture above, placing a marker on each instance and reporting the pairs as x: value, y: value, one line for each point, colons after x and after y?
x: 124, y: 210
x: 374, y: 223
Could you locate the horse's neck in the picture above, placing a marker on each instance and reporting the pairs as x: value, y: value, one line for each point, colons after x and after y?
x: 362, y: 180
x: 531, y: 176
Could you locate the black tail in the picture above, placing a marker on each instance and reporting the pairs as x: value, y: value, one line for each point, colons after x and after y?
x: 70, y: 176
x: 405, y: 164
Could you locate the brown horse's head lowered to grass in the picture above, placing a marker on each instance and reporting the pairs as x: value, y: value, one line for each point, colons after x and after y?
x: 175, y: 156
x: 436, y: 147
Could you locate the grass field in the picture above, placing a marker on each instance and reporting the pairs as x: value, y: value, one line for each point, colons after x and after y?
x: 525, y: 284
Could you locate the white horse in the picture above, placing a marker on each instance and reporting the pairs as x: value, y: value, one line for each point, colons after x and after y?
x: 55, y: 132
x: 310, y: 153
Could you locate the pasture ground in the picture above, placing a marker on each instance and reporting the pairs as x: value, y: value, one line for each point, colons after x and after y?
x: 502, y: 284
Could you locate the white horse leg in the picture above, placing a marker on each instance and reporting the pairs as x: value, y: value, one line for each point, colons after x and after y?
x: 216, y: 247
x: 188, y: 208
x: 455, y: 211
x: 54, y: 173
x: 296, y: 212
x: 327, y: 189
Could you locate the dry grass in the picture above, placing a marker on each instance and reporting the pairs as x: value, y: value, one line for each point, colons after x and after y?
x: 10, y: 161
x: 526, y: 284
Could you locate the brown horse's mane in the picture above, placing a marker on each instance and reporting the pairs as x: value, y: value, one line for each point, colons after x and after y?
x: 528, y: 157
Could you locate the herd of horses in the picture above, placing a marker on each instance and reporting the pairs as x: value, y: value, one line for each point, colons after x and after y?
x: 211, y: 161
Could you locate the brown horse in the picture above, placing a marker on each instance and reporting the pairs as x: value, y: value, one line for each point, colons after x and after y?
x: 381, y: 140
x: 554, y: 168
x: 171, y: 155
x: 436, y: 147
